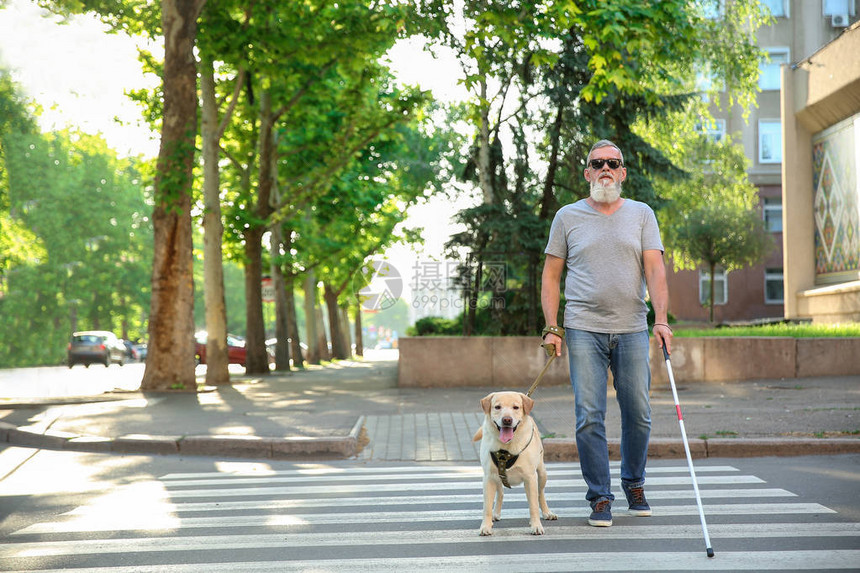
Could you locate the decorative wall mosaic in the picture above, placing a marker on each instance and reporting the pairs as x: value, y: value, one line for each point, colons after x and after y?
x: 836, y: 202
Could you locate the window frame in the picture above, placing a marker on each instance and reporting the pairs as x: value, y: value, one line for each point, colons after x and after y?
x: 761, y: 158
x: 775, y: 274
x: 771, y: 208
x: 764, y: 67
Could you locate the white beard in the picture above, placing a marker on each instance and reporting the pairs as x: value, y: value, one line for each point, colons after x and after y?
x: 605, y: 193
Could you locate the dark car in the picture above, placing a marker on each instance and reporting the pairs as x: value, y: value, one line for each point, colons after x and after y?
x: 131, y: 351
x: 235, y: 349
x: 95, y: 347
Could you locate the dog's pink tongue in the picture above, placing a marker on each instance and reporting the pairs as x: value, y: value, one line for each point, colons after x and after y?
x: 506, y: 434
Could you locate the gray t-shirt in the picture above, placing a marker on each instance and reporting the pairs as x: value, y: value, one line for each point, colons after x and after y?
x: 605, y: 285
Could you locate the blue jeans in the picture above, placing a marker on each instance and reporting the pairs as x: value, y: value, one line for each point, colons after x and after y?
x: 591, y: 354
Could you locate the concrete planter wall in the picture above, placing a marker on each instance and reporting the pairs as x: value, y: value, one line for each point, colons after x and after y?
x: 451, y: 361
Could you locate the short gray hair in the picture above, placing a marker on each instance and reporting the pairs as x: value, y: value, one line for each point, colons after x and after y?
x: 604, y: 143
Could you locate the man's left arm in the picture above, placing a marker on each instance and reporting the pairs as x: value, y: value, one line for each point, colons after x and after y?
x: 658, y: 290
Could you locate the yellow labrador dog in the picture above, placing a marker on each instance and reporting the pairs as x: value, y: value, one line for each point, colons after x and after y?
x: 511, y: 454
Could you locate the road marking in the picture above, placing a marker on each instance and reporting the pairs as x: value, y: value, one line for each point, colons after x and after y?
x: 517, y: 497
x: 364, y: 538
x: 527, y: 563
x: 426, y: 520
x: 410, y: 472
x: 160, y: 522
x: 427, y: 485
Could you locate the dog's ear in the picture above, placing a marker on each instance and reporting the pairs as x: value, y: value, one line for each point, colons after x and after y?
x: 487, y: 402
x: 528, y: 404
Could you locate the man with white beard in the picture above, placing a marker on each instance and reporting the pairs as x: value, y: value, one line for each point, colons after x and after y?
x: 611, y: 249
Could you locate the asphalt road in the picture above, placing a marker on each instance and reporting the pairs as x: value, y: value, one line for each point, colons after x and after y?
x: 62, y: 381
x: 62, y: 510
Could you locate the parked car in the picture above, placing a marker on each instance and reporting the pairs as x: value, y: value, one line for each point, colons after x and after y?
x: 141, y: 351
x: 130, y: 351
x: 270, y: 348
x: 95, y: 347
x: 236, y: 352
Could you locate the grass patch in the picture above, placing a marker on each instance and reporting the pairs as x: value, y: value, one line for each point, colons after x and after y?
x: 726, y: 434
x: 847, y: 330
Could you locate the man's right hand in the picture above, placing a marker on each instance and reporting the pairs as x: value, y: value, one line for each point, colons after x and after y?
x: 555, y: 340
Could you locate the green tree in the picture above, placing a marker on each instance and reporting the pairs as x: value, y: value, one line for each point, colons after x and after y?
x: 360, y: 215
x: 17, y: 243
x: 88, y: 210
x: 597, y: 72
x: 726, y: 236
x: 170, y: 358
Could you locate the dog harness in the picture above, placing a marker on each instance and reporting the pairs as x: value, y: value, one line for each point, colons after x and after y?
x: 505, y: 460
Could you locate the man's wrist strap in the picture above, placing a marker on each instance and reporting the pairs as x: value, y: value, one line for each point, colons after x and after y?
x: 557, y: 330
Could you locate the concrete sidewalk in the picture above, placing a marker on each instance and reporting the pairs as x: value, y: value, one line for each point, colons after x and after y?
x: 355, y: 409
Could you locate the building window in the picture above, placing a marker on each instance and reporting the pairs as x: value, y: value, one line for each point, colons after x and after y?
x: 831, y: 7
x: 714, y: 130
x: 772, y: 213
x: 778, y: 8
x: 770, y: 141
x: 768, y: 70
x: 721, y: 288
x: 773, y: 293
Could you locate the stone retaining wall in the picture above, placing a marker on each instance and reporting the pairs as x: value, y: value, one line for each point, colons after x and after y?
x: 451, y: 361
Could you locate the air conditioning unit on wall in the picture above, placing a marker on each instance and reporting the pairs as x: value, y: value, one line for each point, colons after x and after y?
x: 840, y: 20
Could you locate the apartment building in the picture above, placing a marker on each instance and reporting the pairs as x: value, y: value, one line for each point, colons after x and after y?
x: 801, y: 28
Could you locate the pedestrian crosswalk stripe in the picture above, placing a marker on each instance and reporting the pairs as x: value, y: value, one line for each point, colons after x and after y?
x: 419, y: 472
x: 502, y: 534
x: 515, y: 497
x: 429, y: 485
x: 149, y: 523
x: 401, y: 518
x: 527, y: 563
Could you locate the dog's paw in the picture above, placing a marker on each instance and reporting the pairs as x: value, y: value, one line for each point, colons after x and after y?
x: 537, y: 529
x: 497, y: 516
x: 486, y: 529
x: 549, y: 516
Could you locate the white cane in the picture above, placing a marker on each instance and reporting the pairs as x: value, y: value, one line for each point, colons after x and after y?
x: 708, y: 548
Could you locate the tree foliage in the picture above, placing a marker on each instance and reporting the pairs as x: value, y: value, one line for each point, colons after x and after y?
x: 721, y: 235
x: 570, y: 74
x: 87, y: 210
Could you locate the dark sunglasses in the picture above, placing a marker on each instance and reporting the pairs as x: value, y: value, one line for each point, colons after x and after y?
x: 612, y: 163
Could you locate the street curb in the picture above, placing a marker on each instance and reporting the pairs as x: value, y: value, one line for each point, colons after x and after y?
x: 302, y: 448
x: 564, y: 449
x: 227, y: 446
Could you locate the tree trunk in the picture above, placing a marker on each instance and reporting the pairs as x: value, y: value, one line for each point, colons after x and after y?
x: 322, y: 341
x: 713, y: 290
x: 484, y: 175
x: 334, y: 323
x: 282, y: 347
x: 548, y: 199
x: 255, y: 342
x: 257, y: 359
x: 213, y: 231
x: 293, y: 322
x: 344, y: 321
x: 311, y: 318
x: 359, y: 335
x: 170, y: 360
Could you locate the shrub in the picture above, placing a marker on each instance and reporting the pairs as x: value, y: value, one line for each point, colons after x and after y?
x: 435, y: 326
